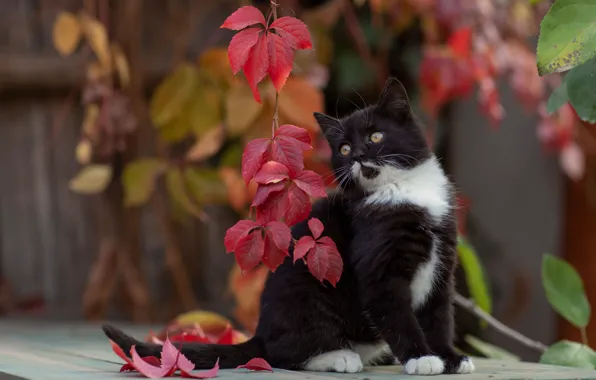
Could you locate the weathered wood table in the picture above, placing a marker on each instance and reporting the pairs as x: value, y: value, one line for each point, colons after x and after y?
x: 60, y: 351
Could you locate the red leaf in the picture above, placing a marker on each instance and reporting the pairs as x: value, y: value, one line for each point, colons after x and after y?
x: 293, y: 31
x: 311, y: 183
x: 249, y: 250
x: 118, y: 351
x: 316, y: 227
x: 257, y: 64
x: 271, y: 172
x: 236, y: 232
x: 280, y: 234
x: 240, y: 47
x: 264, y: 191
x: 169, y: 357
x: 243, y: 17
x: 273, y: 256
x: 287, y: 151
x: 274, y: 208
x: 186, y: 337
x: 281, y: 60
x: 460, y: 42
x: 128, y: 367
x: 304, y: 244
x: 252, y: 158
x: 298, y: 205
x: 257, y: 364
x: 227, y: 337
x: 336, y: 263
x: 318, y: 262
x: 297, y: 133
x: 148, y: 369
x: 207, y: 374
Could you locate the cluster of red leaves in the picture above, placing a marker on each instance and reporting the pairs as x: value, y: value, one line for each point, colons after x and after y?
x: 323, y: 260
x: 261, y: 48
x: 450, y: 72
x: 283, y: 194
x: 173, y: 360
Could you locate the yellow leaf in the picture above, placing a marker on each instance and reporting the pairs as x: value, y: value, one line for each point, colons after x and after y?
x: 207, y: 145
x: 83, y: 152
x: 204, y: 109
x: 66, y: 33
x: 297, y: 102
x: 215, y: 61
x: 177, y: 189
x: 202, y: 318
x: 139, y: 179
x: 97, y: 37
x: 91, y: 115
x: 173, y: 94
x: 241, y: 109
x: 92, y: 179
x: 121, y: 64
x: 175, y: 130
x: 206, y: 186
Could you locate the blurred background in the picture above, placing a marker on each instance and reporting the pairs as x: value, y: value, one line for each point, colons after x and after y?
x: 122, y: 130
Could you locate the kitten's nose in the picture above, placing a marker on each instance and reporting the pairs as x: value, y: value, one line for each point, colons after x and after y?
x: 358, y: 154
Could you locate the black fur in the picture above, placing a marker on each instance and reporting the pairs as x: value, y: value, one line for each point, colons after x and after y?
x: 381, y: 248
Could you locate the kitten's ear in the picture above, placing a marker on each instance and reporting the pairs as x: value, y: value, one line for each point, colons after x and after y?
x: 326, y: 123
x: 394, y: 101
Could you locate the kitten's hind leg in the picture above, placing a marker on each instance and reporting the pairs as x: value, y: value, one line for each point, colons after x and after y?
x: 343, y: 361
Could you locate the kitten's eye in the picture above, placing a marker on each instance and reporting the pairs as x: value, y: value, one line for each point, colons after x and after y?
x: 376, y: 137
x: 345, y: 149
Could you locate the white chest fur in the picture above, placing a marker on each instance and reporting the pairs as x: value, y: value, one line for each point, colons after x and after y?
x: 425, y: 186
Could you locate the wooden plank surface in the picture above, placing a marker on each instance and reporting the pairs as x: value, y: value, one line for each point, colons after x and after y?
x: 58, y: 351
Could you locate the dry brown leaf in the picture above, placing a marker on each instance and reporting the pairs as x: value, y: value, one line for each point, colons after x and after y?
x: 121, y: 64
x: 173, y: 94
x: 66, y: 33
x: 207, y: 145
x: 297, y: 102
x: 92, y: 179
x: 97, y: 36
x: 237, y: 193
x: 241, y: 109
x: 83, y: 152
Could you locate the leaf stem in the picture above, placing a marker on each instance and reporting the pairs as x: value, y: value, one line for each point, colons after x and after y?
x: 275, y: 123
x: 584, y: 335
x: 471, y: 306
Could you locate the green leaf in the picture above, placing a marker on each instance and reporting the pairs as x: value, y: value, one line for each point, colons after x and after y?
x: 178, y: 192
x: 92, y: 179
x: 565, y: 290
x: 490, y: 350
x: 567, y: 36
x: 475, y: 278
x: 232, y: 156
x: 205, y: 108
x: 581, y: 82
x: 206, y: 186
x: 139, y: 179
x: 172, y: 94
x: 558, y: 98
x: 569, y: 354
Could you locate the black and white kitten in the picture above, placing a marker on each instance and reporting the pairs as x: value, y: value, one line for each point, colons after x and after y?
x: 393, y: 222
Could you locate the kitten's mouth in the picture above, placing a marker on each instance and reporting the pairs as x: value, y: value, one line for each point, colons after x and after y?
x: 365, y: 170
x: 369, y: 172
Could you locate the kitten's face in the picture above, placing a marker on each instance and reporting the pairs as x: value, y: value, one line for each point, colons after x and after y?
x: 371, y: 145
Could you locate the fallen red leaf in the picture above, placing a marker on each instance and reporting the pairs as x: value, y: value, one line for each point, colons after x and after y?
x: 187, y: 369
x: 227, y: 337
x: 118, y: 351
x: 460, y: 42
x: 129, y: 367
x: 260, y: 50
x: 256, y: 364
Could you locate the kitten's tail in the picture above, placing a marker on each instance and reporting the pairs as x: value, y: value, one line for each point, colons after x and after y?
x: 202, y: 355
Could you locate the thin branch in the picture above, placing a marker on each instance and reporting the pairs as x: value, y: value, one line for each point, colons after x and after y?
x: 275, y: 123
x: 471, y: 306
x: 584, y: 336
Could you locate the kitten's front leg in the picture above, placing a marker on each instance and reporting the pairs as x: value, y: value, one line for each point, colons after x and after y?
x: 387, y: 302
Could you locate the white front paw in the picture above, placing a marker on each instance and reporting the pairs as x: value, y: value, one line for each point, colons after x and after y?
x: 425, y: 365
x: 466, y: 366
x: 350, y: 362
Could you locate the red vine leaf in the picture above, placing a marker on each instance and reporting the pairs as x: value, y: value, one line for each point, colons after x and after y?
x: 297, y: 133
x: 243, y: 17
x: 271, y: 172
x: 249, y: 250
x: 257, y: 64
x: 273, y: 256
x: 311, y: 183
x: 264, y: 191
x: 253, y: 158
x: 237, y: 232
x: 299, y: 206
x: 256, y: 364
x: 294, y: 31
x: 318, y: 262
x: 316, y: 227
x: 281, y: 58
x: 336, y: 264
x: 274, y: 208
x: 303, y: 246
x: 280, y: 234
x: 149, y: 370
x: 241, y: 46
